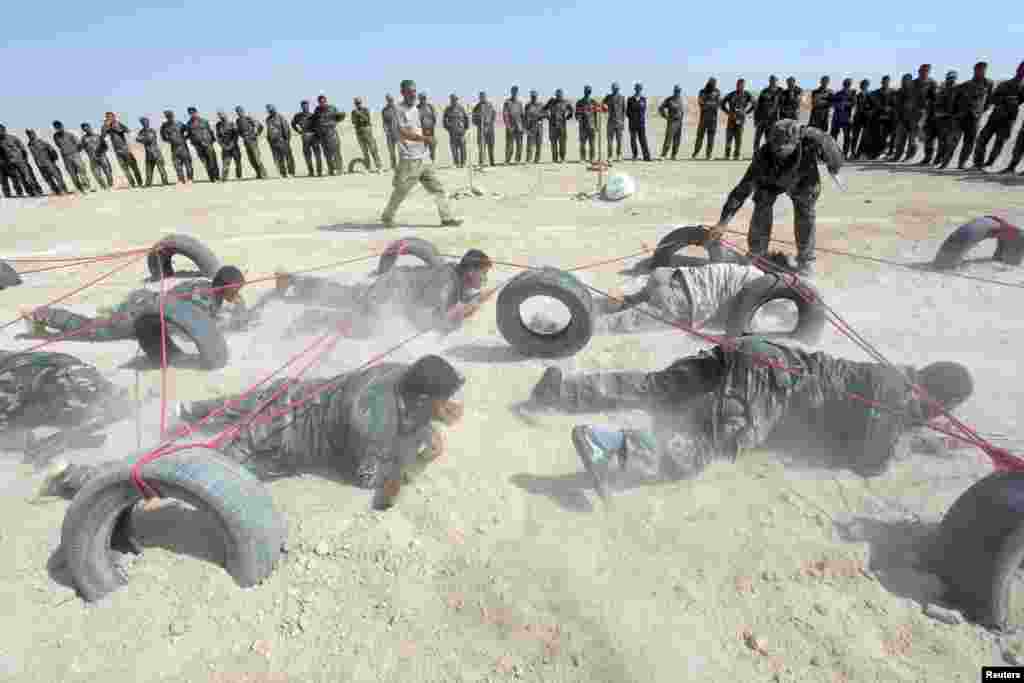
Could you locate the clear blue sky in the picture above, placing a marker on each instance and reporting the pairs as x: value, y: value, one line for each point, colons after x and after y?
x: 75, y: 60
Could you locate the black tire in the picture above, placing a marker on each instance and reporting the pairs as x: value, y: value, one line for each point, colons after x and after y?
x: 1010, y: 248
x: 355, y: 164
x: 811, y: 314
x: 8, y: 276
x: 557, y: 284
x: 980, y: 546
x: 251, y: 530
x: 412, y: 246
x: 191, y: 321
x: 187, y: 246
x: 688, y: 236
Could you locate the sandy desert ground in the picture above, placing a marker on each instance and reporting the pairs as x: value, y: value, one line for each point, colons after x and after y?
x: 498, y: 565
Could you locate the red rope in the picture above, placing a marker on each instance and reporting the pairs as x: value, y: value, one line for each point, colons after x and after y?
x: 60, y: 259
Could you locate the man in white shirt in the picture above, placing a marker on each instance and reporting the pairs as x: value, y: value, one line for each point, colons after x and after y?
x: 414, y: 162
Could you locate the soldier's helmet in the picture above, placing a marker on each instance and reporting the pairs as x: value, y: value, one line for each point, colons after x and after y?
x: 784, y: 137
x: 559, y: 92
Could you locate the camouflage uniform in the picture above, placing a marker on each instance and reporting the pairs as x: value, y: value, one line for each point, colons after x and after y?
x: 117, y: 133
x: 302, y: 125
x: 56, y: 390
x: 428, y: 122
x: 636, y: 112
x: 250, y: 130
x: 46, y: 160
x: 95, y: 149
x: 692, y: 296
x: 533, y: 118
x: 797, y: 176
x: 363, y: 124
x: 923, y: 101
x: 201, y: 135
x: 279, y: 136
x: 174, y: 134
x: 15, y: 157
x: 586, y: 121
x: 972, y: 101
x: 456, y: 122
x: 842, y: 108
x: 512, y: 117
x: 484, y: 116
x: 766, y: 112
x: 939, y: 126
x: 789, y: 102
x: 862, y: 116
x: 325, y: 122
x: 227, y: 136
x: 71, y: 152
x: 737, y: 106
x: 749, y: 402
x: 150, y: 142
x: 559, y: 111
x: 708, y: 101
x: 673, y: 110
x: 821, y: 106
x: 388, y: 115
x: 1005, y: 103
x: 615, y: 103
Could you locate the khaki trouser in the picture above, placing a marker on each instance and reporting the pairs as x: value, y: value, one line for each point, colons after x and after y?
x: 410, y: 172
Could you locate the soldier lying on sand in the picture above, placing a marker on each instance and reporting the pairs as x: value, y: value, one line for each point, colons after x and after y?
x: 718, y: 403
x: 373, y: 425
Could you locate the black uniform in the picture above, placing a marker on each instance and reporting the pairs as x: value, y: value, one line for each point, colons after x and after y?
x: 972, y: 101
x: 227, y: 136
x: 673, y: 110
x: 842, y: 115
x: 279, y: 135
x: 46, y: 158
x: 302, y: 123
x: 71, y: 153
x: 789, y: 102
x: 1005, y: 103
x: 512, y: 114
x: 708, y: 101
x: 586, y: 122
x: 883, y: 118
x: 940, y: 126
x: 615, y: 103
x: 860, y: 128
x: 202, y: 137
x: 559, y: 111
x: 14, y: 158
x: 456, y: 122
x: 95, y: 149
x: 325, y: 122
x: 150, y: 142
x: 737, y: 106
x: 636, y: 113
x: 249, y: 130
x: 821, y: 106
x: 174, y: 134
x: 766, y: 112
x: 117, y: 133
x: 533, y: 121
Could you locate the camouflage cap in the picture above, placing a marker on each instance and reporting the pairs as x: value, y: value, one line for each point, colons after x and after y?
x: 407, y: 84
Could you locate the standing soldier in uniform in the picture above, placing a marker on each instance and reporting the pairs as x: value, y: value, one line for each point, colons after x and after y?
x: 883, y: 108
x: 636, y: 112
x: 766, y: 113
x: 8, y: 178
x: 174, y: 134
x: 972, y: 102
x: 71, y: 153
x: 150, y: 142
x: 428, y: 121
x: 46, y: 159
x: 512, y: 117
x: 615, y: 104
x: 917, y: 110
x: 586, y: 120
x: 117, y: 133
x: 15, y: 156
x: 484, y: 116
x: 302, y: 125
x: 95, y: 149
x: 789, y: 102
x: 456, y: 122
x: 201, y: 135
x: 737, y: 105
x: 559, y: 110
x: 533, y: 121
x: 326, y: 118
x: 821, y: 104
x: 673, y: 110
x: 859, y: 129
x: 1005, y: 103
x: 279, y: 135
x: 227, y: 136
x: 415, y: 166
x: 388, y: 114
x: 250, y: 130
x: 940, y: 123
x: 364, y: 133
x: 1018, y: 154
x: 708, y: 100
x: 842, y: 108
